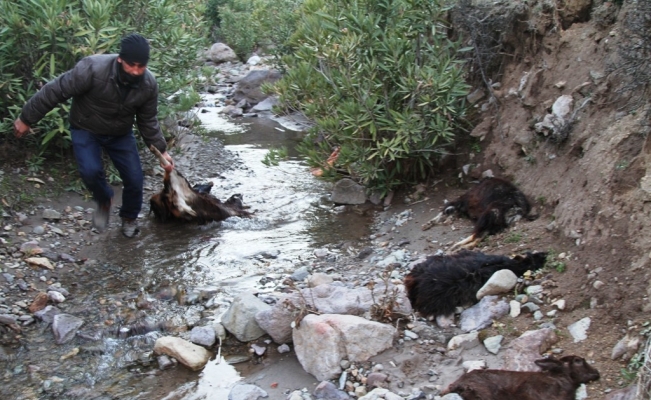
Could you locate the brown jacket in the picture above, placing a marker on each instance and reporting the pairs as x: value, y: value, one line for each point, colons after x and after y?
x: 97, y: 104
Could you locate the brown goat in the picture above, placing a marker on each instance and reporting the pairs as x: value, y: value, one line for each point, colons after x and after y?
x: 179, y: 200
x: 493, y: 204
x: 558, y: 380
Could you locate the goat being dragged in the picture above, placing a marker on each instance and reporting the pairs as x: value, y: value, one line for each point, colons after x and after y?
x: 178, y: 200
x: 493, y: 204
x: 443, y: 282
x: 558, y: 380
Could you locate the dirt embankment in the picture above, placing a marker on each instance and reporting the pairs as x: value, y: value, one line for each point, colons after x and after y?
x: 586, y: 173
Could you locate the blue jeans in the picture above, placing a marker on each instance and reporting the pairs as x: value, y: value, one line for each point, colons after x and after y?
x: 123, y: 152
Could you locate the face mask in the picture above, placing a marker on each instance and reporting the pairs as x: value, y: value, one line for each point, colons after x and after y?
x: 129, y: 79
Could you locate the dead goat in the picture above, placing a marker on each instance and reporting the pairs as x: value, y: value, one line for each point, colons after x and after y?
x: 558, y: 380
x: 179, y: 200
x: 493, y: 204
x: 443, y: 282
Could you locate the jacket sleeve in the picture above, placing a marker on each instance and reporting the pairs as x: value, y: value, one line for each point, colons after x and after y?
x: 71, y: 83
x: 147, y: 121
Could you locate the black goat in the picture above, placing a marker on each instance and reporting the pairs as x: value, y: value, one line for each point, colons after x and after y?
x: 493, y: 204
x: 441, y: 283
x: 558, y: 380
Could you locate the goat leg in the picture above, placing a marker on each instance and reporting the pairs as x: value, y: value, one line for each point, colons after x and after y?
x: 467, y: 243
x: 434, y: 221
x: 183, y: 193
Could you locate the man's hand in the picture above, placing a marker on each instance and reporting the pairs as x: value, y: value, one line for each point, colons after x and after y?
x: 20, y: 128
x: 169, y: 167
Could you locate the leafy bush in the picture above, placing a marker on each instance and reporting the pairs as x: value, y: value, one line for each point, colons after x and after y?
x: 247, y: 24
x: 381, y: 82
x: 41, y: 39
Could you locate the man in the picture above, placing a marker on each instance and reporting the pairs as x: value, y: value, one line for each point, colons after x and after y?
x: 107, y: 92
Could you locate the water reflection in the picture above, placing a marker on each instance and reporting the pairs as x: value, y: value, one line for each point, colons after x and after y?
x: 214, y: 382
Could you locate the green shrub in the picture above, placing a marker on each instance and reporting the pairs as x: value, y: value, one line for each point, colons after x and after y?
x: 247, y: 24
x: 381, y: 82
x: 40, y: 39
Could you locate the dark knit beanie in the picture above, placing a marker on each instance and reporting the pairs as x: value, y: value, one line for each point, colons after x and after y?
x: 135, y: 49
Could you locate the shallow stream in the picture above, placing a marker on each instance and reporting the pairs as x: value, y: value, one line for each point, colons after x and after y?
x: 177, y: 275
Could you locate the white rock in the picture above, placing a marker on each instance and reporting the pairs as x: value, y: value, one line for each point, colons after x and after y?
x: 472, y: 365
x: 515, y: 308
x: 40, y: 261
x: 322, y: 341
x: 579, y: 329
x: 500, y: 282
x: 192, y: 356
x: 55, y: 297
x: 563, y: 106
x: 466, y: 341
x: 560, y: 304
x: 493, y: 343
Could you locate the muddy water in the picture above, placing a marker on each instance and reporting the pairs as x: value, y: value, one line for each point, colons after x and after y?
x: 179, y: 275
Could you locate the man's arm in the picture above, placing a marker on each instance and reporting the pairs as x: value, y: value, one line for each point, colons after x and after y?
x: 71, y: 83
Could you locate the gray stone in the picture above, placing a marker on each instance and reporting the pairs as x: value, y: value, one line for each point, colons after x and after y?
x: 65, y: 326
x: 465, y: 341
x: 265, y: 105
x: 203, y: 335
x: 319, y: 278
x: 47, y: 314
x: 248, y: 88
x: 328, y: 391
x: 628, y: 393
x: 522, y: 352
x: 246, y: 392
x: 276, y: 321
x: 239, y: 319
x: 51, y: 214
x: 8, y: 319
x: 164, y: 362
x: 493, y: 343
x: 220, y: 52
x: 482, y: 314
x: 451, y: 396
x: 347, y: 191
x: 300, y: 274
x: 30, y: 247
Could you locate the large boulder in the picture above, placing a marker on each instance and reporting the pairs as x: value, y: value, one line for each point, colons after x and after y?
x: 248, y: 88
x: 326, y: 299
x: 239, y: 319
x: 321, y: 342
x: 220, y: 53
x: 347, y: 191
x: 526, y: 349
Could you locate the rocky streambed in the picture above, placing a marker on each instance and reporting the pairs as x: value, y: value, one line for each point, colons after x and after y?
x: 302, y: 301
